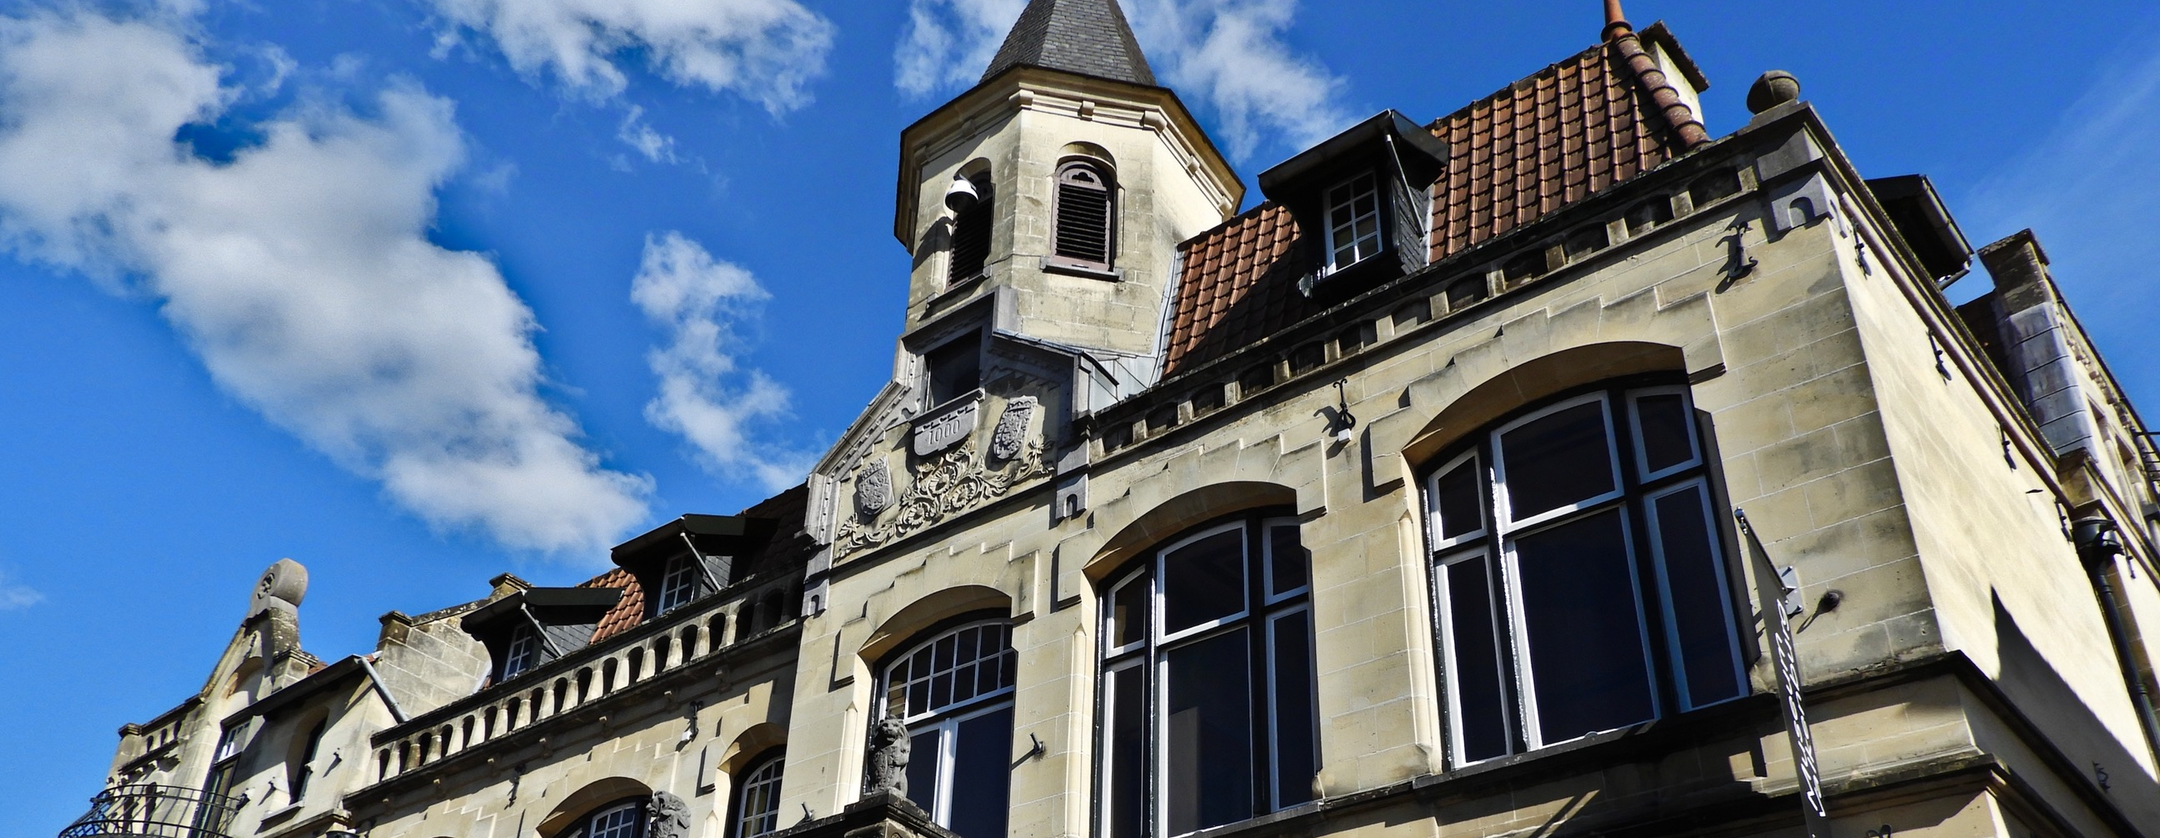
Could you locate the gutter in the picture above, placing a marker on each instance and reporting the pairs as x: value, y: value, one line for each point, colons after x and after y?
x: 375, y: 679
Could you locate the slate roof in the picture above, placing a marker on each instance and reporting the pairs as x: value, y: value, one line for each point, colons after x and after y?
x: 1088, y: 37
x: 1572, y: 130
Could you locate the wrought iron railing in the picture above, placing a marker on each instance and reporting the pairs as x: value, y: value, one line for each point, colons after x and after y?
x: 151, y: 810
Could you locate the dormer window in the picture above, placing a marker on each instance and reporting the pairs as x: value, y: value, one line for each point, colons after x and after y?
x: 679, y: 583
x: 522, y: 654
x: 1085, y: 220
x: 1353, y: 222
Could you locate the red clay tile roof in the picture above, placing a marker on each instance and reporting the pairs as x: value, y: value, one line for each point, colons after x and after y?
x: 628, y: 611
x: 1570, y: 131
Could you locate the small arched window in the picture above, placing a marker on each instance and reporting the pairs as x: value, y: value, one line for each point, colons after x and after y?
x: 621, y: 819
x: 971, y: 234
x: 1581, y: 582
x: 955, y: 694
x: 757, y: 799
x: 1085, y: 226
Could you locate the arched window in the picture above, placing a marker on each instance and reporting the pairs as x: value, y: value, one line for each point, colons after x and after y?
x: 954, y: 693
x: 1581, y: 585
x: 620, y: 819
x: 1086, y: 223
x: 971, y: 234
x: 1207, y: 693
x: 757, y: 799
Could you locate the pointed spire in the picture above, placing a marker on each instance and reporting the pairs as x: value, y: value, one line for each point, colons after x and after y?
x: 1088, y: 37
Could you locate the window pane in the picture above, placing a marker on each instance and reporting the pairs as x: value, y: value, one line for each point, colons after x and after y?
x: 1128, y: 613
x: 1208, y: 770
x: 1296, y: 724
x: 1287, y: 559
x: 1474, y: 662
x: 922, y: 769
x: 1668, y: 438
x: 1558, y: 460
x: 1696, y: 587
x: 1455, y: 500
x: 1204, y: 581
x: 982, y: 774
x: 1125, y: 814
x: 1584, y: 628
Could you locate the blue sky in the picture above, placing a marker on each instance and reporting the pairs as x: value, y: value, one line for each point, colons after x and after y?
x: 420, y: 291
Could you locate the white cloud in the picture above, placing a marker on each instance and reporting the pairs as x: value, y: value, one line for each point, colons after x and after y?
x: 15, y: 597
x: 696, y: 299
x: 301, y: 272
x: 1228, y: 54
x: 638, y: 134
x: 763, y: 50
x: 2087, y: 189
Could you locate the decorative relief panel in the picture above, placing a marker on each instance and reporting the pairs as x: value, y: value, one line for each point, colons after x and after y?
x: 946, y: 485
x: 873, y: 489
x: 1013, y: 429
x: 940, y: 431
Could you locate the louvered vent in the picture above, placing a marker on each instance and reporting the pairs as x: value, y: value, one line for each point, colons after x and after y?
x: 971, y: 239
x: 1083, y: 216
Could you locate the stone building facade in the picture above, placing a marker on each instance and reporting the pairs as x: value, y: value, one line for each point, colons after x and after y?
x: 1477, y: 482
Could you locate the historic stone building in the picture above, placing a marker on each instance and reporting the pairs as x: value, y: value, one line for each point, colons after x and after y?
x: 1407, y: 503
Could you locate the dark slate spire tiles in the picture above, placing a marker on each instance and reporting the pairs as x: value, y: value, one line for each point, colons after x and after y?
x: 1088, y: 37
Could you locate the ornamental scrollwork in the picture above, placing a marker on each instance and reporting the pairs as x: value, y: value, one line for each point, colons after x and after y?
x: 944, y: 486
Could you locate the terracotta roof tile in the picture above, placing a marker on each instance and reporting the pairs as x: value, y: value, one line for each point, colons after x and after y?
x: 628, y: 611
x: 1570, y: 131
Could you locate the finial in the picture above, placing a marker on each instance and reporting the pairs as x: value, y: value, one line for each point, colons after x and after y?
x: 1774, y: 88
x: 1616, y: 23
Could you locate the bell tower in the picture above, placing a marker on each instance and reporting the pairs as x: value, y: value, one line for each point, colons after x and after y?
x: 1055, y: 192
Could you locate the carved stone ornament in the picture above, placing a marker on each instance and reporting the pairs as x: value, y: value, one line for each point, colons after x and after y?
x: 873, y: 489
x: 1013, y: 425
x: 889, y: 749
x: 281, y: 587
x: 945, y: 486
x: 940, y: 431
x: 670, y: 817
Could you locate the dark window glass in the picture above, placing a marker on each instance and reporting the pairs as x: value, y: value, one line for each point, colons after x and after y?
x: 1128, y: 614
x: 981, y: 774
x: 955, y: 369
x: 1455, y: 498
x: 1695, y: 583
x: 1667, y: 439
x: 925, y: 757
x: 1208, y: 772
x: 1125, y: 812
x: 971, y: 236
x: 1475, y: 658
x: 1584, y: 630
x: 1204, y: 581
x: 1296, y: 758
x: 1557, y: 460
x: 1288, y: 560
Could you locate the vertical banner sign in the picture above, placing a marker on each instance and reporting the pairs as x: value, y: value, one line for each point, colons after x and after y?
x: 1771, y: 592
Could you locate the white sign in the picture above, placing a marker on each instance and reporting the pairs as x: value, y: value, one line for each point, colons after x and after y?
x: 1774, y: 591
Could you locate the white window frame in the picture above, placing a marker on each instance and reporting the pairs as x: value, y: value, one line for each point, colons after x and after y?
x: 1160, y: 593
x: 765, y: 776
x: 522, y: 653
x: 980, y: 704
x: 1526, y: 675
x: 1642, y: 451
x: 1503, y: 513
x: 1458, y: 741
x: 678, y: 583
x: 632, y: 828
x: 1274, y: 705
x: 1432, y: 503
x: 1378, y: 216
x: 1267, y: 563
x: 1701, y: 486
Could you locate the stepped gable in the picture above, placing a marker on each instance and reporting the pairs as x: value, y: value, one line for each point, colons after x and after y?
x: 1088, y: 37
x: 1572, y: 130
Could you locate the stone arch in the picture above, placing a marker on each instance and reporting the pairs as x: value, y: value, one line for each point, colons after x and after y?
x: 926, y: 613
x: 1481, y: 402
x: 1087, y: 150
x: 1181, y: 513
x: 585, y: 800
x: 749, y: 746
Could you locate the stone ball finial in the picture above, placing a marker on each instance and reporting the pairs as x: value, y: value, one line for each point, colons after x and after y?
x: 1774, y: 88
x: 282, y: 587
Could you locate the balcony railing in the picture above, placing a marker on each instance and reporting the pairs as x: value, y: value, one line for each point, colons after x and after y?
x: 155, y: 811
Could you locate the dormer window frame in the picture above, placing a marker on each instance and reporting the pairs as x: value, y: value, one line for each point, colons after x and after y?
x: 680, y: 581
x: 1403, y: 161
x: 1375, y: 212
x: 522, y: 653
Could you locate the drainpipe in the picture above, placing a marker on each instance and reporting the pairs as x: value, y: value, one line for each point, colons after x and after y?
x: 2098, y: 543
x: 397, y: 714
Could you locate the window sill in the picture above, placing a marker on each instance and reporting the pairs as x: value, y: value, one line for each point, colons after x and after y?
x: 957, y: 289
x: 1053, y: 266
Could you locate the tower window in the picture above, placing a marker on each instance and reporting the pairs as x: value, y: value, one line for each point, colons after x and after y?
x: 971, y: 235
x: 1085, y: 225
x: 1353, y: 222
x: 955, y: 369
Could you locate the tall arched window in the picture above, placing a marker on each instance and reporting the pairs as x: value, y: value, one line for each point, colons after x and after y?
x: 1207, y: 695
x: 1085, y: 226
x: 954, y: 693
x: 620, y: 819
x: 757, y: 799
x: 971, y: 234
x: 1581, y: 584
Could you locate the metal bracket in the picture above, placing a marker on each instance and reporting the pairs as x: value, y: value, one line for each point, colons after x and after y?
x: 1738, y: 264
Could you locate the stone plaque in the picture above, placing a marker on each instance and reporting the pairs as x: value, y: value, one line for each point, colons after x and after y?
x: 1012, y: 428
x: 942, y: 430
x: 873, y: 489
